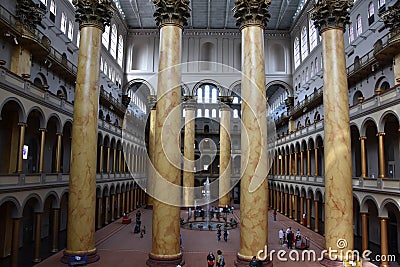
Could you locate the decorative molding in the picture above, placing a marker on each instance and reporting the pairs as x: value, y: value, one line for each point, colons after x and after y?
x: 171, y: 12
x: 29, y: 14
x: 200, y: 33
x: 251, y: 13
x: 328, y: 14
x: 96, y: 13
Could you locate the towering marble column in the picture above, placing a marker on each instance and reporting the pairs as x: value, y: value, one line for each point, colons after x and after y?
x: 42, y: 141
x: 363, y: 157
x: 92, y: 15
x: 225, y: 152
x: 252, y: 17
x: 331, y: 17
x: 152, y: 100
x: 171, y: 16
x: 188, y: 163
x: 391, y: 18
x: 381, y: 149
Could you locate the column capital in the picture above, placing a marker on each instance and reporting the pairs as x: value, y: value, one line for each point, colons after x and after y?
x: 42, y: 129
x: 97, y: 13
x: 225, y: 102
x: 380, y: 134
x: 171, y: 12
x: 328, y: 14
x: 59, y: 134
x: 22, y: 124
x: 391, y: 18
x: 363, y: 138
x: 152, y: 100
x: 189, y: 102
x: 251, y: 13
x: 29, y: 14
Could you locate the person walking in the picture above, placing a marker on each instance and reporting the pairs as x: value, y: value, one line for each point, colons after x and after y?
x: 219, y: 234
x: 210, y: 259
x: 220, y: 259
x: 289, y: 237
x: 226, y: 233
x: 274, y: 215
x: 281, y: 235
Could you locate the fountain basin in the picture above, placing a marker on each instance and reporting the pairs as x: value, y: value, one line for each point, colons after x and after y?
x: 208, y: 226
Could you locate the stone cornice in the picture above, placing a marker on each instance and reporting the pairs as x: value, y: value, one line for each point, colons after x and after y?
x: 171, y: 12
x: 96, y: 13
x: 201, y: 33
x: 251, y: 13
x: 331, y: 14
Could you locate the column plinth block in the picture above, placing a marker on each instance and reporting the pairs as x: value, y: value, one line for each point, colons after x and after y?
x: 157, y: 261
x: 91, y: 256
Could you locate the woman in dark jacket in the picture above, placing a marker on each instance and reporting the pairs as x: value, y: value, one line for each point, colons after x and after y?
x: 210, y: 259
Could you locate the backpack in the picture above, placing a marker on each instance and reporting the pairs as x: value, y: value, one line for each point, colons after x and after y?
x: 221, y: 261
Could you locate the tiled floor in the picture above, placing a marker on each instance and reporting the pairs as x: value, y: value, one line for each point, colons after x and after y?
x: 117, y: 245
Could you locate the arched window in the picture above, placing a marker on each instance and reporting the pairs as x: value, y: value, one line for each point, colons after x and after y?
x: 313, y: 35
x: 78, y: 38
x: 296, y: 52
x: 206, y: 113
x: 351, y: 32
x: 213, y: 113
x: 120, y: 49
x: 106, y: 36
x: 235, y: 114
x: 214, y: 95
x: 184, y: 113
x: 371, y: 13
x: 207, y: 94
x: 63, y: 26
x: 304, y: 43
x: 199, y: 113
x: 53, y: 7
x: 113, y: 46
x: 200, y: 95
x: 359, y: 25
x: 70, y: 29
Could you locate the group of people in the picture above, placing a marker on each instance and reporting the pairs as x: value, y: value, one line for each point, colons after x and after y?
x: 219, y: 233
x: 289, y: 237
x: 138, y: 224
x: 218, y: 261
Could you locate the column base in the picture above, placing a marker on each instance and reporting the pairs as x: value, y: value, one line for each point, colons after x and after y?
x: 157, y: 262
x: 37, y: 260
x: 54, y: 250
x: 331, y: 263
x: 239, y: 262
x: 90, y: 256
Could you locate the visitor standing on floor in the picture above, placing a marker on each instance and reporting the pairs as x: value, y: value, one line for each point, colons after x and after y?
x: 219, y: 234
x: 226, y: 233
x: 254, y: 262
x: 274, y: 215
x: 220, y: 259
x: 210, y: 259
x: 281, y: 236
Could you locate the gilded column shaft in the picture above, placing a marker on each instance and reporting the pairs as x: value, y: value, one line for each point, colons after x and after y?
x: 316, y: 161
x: 188, y: 164
x: 364, y: 231
x: 384, y: 243
x: 42, y: 141
x: 38, y: 237
x: 112, y: 207
x: 58, y: 153
x: 101, y: 159
x: 21, y: 145
x: 363, y: 157
x: 382, y: 167
x: 166, y: 229
x: 302, y: 163
x: 295, y: 164
x: 308, y: 162
x: 54, y: 244
x: 225, y: 158
x: 316, y: 215
x: 152, y: 143
x: 15, y: 242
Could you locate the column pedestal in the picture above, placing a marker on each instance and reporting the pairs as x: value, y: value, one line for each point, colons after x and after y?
x: 245, y: 263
